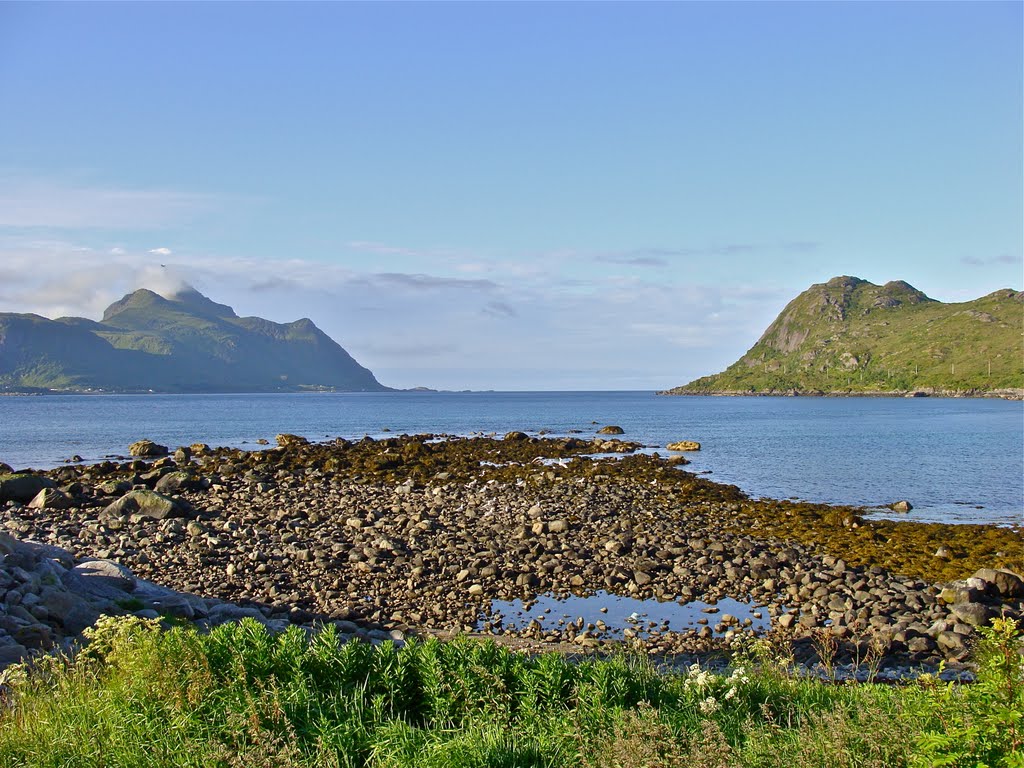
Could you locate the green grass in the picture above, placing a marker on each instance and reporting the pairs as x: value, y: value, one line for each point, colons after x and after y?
x: 139, y: 696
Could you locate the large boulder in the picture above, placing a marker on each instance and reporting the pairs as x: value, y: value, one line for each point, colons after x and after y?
x: 684, y: 445
x: 22, y: 486
x: 611, y: 429
x: 103, y: 578
x: 287, y: 440
x: 1009, y: 584
x: 74, y: 612
x: 51, y: 498
x: 147, y: 504
x: 147, y: 449
x: 172, y: 482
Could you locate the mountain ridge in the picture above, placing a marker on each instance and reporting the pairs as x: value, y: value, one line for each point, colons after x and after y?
x: 181, y: 343
x: 848, y: 336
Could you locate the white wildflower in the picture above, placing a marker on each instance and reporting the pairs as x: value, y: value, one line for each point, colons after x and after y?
x: 730, y: 693
x: 709, y: 706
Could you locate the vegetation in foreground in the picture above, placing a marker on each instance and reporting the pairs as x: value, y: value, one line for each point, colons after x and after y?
x: 241, y: 696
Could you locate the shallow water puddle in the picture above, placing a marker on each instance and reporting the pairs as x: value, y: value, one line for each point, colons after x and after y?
x: 613, y: 615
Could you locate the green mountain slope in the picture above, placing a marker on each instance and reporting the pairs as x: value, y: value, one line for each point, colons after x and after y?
x: 849, y: 336
x: 184, y: 344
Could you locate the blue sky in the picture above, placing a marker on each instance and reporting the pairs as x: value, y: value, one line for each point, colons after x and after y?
x: 509, y: 195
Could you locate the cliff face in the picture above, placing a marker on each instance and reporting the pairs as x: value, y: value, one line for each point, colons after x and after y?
x: 187, y: 343
x: 850, y: 336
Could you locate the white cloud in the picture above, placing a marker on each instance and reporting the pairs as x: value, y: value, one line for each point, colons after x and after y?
x: 161, y: 251
x: 519, y: 329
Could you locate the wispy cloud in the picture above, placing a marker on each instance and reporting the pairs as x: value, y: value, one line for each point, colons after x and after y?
x: 1001, y: 259
x: 418, y: 282
x: 382, y: 249
x: 30, y: 203
x: 632, y: 260
x: 664, y: 256
x: 499, y: 309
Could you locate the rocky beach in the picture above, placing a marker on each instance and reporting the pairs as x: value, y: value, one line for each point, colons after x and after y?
x: 416, y: 535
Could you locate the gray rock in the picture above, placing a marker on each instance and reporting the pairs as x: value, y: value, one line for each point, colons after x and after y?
x: 611, y: 429
x: 901, y: 506
x: 23, y: 486
x: 104, y: 577
x: 147, y: 504
x: 975, y: 614
x: 12, y: 654
x: 51, y: 498
x: 172, y: 482
x: 226, y: 612
x: 147, y: 449
x: 952, y: 643
x: 72, y: 611
x: 1008, y: 583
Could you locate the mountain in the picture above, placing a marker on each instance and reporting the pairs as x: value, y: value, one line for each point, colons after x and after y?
x: 186, y: 343
x: 849, y: 336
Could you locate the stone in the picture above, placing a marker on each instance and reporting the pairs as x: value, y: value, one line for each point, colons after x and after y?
x: 951, y: 642
x: 640, y: 578
x: 51, y: 498
x: 558, y: 526
x: 516, y: 436
x: 288, y: 441
x: 22, y: 486
x: 611, y: 429
x: 12, y: 654
x: 183, y: 455
x: 72, y: 611
x: 901, y: 506
x: 975, y: 614
x: 172, y: 482
x: 147, y: 504
x: 114, y: 487
x: 147, y: 449
x: 920, y: 645
x: 1008, y: 583
x: 684, y: 445
x: 106, y: 574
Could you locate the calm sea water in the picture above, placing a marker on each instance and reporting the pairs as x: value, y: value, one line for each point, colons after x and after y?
x: 956, y: 460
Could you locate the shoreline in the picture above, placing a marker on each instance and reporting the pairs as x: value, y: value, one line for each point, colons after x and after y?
x: 418, y: 535
x: 996, y: 394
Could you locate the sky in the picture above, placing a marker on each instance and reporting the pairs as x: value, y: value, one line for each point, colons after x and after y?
x: 512, y: 196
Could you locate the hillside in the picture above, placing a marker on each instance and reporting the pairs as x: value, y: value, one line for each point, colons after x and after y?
x: 187, y: 343
x: 849, y: 336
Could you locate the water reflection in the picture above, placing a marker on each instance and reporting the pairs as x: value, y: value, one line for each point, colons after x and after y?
x: 617, y: 617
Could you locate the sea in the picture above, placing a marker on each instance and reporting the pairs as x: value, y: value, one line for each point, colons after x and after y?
x: 955, y: 460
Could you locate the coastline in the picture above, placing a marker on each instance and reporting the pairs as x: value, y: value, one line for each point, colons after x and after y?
x: 401, y: 535
x: 1001, y: 394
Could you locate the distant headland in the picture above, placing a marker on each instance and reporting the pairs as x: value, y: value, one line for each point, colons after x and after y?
x: 850, y: 337
x: 183, y: 343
